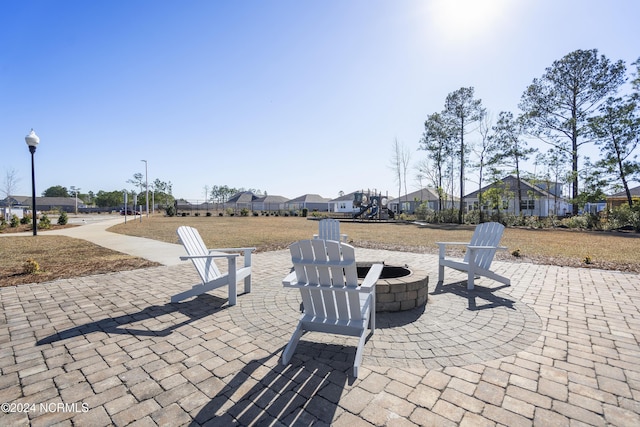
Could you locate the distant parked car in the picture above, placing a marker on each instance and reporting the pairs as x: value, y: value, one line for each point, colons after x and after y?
x: 130, y: 212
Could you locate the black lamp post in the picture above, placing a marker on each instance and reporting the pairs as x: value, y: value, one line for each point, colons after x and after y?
x: 33, y: 141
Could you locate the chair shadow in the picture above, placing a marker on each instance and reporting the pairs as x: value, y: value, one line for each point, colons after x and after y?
x: 472, y: 296
x: 394, y: 319
x: 304, y: 392
x: 201, y: 306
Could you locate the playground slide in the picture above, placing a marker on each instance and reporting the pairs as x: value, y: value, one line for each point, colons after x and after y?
x: 374, y: 212
x: 363, y: 209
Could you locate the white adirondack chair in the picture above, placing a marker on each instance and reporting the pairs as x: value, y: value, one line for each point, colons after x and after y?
x: 325, y: 273
x: 329, y: 229
x: 479, y: 255
x: 204, y: 261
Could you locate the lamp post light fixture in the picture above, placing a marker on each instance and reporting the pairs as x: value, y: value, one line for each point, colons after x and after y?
x: 32, y: 141
x: 146, y: 185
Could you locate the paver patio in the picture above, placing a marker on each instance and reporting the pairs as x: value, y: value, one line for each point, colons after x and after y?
x: 558, y: 347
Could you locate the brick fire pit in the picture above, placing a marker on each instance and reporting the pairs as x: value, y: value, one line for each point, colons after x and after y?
x: 399, y: 288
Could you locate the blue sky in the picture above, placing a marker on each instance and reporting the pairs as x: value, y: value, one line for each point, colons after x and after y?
x: 289, y: 97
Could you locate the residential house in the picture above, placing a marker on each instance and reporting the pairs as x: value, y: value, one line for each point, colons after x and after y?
x: 311, y: 202
x: 10, y: 206
x: 269, y: 203
x: 344, y: 204
x: 409, y: 203
x: 620, y: 198
x: 68, y: 204
x: 535, y: 199
x: 241, y: 200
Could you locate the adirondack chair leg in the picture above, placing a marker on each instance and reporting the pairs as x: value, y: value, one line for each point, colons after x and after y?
x: 233, y: 288
x: 291, y: 346
x: 372, y: 320
x: 440, y: 266
x: 471, y: 272
x: 247, y: 280
x: 358, y: 359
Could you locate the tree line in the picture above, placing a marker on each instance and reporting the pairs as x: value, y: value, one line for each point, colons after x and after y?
x: 574, y: 103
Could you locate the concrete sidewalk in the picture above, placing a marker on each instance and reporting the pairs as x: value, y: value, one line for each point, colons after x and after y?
x: 96, y: 232
x: 560, y: 347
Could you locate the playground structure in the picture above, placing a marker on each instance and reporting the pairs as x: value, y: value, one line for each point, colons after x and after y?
x: 372, y: 205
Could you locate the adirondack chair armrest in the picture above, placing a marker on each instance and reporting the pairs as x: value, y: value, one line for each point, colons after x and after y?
x: 452, y: 243
x: 231, y: 250
x: 218, y: 255
x: 443, y: 246
x: 291, y: 280
x: 372, y: 276
x: 502, y: 248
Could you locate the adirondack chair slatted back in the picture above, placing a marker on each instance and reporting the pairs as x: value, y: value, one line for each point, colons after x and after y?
x: 329, y: 264
x: 195, y: 246
x: 329, y: 229
x: 486, y: 234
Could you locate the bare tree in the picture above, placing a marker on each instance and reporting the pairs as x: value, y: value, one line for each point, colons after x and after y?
x: 396, y: 166
x: 400, y: 164
x: 482, y: 152
x: 405, y: 160
x: 10, y: 183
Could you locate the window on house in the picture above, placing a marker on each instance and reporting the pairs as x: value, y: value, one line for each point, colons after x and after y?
x: 529, y: 204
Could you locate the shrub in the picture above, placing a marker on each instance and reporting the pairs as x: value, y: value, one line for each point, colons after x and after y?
x: 305, y: 211
x: 44, y: 223
x: 63, y: 218
x: 208, y: 213
x: 31, y: 266
x: 244, y: 212
x: 423, y: 213
x: 25, y: 219
x: 170, y: 210
x: 624, y: 216
x: 15, y: 221
x: 578, y: 221
x: 3, y: 224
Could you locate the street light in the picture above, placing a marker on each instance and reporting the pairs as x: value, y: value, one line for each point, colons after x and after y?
x: 33, y: 141
x: 75, y: 190
x: 146, y: 185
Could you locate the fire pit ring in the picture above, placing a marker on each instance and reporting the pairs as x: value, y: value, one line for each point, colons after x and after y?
x: 399, y: 288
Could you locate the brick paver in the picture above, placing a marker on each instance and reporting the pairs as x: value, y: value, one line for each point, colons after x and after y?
x: 558, y: 347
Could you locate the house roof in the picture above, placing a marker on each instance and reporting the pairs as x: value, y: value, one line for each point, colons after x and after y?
x: 271, y: 199
x: 422, y: 194
x: 242, y: 197
x: 511, y: 181
x: 15, y: 200
x: 52, y: 201
x: 635, y: 192
x: 345, y: 197
x: 310, y: 198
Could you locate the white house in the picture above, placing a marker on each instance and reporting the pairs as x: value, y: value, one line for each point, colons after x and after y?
x: 344, y: 204
x: 536, y: 201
